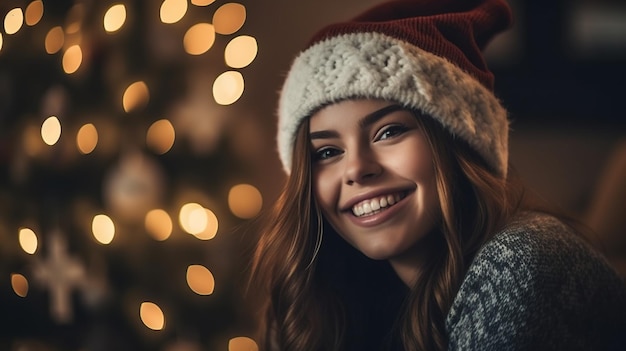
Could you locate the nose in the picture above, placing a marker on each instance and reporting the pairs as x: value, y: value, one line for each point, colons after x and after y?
x: 361, y: 166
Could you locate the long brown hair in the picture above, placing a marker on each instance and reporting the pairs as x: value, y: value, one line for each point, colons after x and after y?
x: 303, y: 277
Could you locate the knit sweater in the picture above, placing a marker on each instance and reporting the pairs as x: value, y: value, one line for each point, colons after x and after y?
x: 538, y: 286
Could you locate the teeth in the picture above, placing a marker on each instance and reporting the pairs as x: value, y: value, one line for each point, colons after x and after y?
x: 372, y: 206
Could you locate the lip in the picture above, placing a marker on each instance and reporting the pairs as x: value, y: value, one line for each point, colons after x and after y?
x: 377, y: 218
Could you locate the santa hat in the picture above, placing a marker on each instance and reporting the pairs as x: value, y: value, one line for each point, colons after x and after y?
x: 423, y: 54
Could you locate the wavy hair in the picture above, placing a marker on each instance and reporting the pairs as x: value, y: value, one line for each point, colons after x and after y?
x: 308, y: 282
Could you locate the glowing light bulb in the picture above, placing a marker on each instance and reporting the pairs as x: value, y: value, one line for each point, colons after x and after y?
x: 161, y: 136
x: 13, y: 21
x: 136, y: 96
x: 245, y: 201
x: 229, y: 18
x: 242, y: 343
x: 152, y: 316
x: 200, y: 280
x: 240, y: 51
x: 19, y: 283
x: 158, y: 224
x: 54, y: 40
x: 72, y: 59
x: 228, y: 87
x: 28, y: 240
x: 34, y: 12
x: 114, y: 18
x: 199, y: 39
x: 87, y: 138
x: 103, y: 229
x: 51, y: 130
x: 173, y: 11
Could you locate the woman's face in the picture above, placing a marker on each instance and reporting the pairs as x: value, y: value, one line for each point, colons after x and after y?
x: 373, y: 177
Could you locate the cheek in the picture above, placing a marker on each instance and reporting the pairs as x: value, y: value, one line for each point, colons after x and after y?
x: 324, y: 190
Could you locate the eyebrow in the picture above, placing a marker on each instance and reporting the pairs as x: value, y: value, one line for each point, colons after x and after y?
x: 365, y: 122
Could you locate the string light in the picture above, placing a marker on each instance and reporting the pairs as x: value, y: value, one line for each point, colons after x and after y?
x: 72, y: 59
x: 114, y: 18
x: 229, y: 18
x: 19, y: 283
x: 202, y: 2
x: 199, y: 38
x: 51, y: 130
x: 103, y: 228
x: 136, y: 96
x: 200, y: 280
x: 152, y: 316
x: 228, y: 87
x: 34, y: 12
x: 173, y: 11
x: 28, y: 240
x: 245, y: 201
x: 87, y: 138
x: 161, y: 136
x: 240, y: 51
x: 158, y: 224
x: 210, y: 231
x: 13, y: 21
x: 242, y: 343
x: 54, y: 40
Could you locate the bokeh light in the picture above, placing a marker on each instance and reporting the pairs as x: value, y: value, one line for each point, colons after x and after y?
x: 75, y: 18
x: 103, y: 228
x: 242, y: 343
x: 152, y: 316
x: 240, y: 51
x: 158, y: 224
x: 87, y: 138
x: 0, y: 41
x: 161, y: 136
x: 136, y: 96
x: 200, y: 280
x: 72, y: 59
x: 28, y: 240
x: 202, y: 2
x: 212, y: 225
x: 19, y: 283
x: 173, y: 11
x: 199, y: 38
x: 245, y: 201
x: 54, y: 40
x: 34, y: 12
x: 193, y: 218
x: 229, y: 18
x: 13, y: 21
x: 228, y: 87
x: 114, y: 18
x: 51, y: 130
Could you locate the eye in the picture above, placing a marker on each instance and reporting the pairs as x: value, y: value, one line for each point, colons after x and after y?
x: 326, y: 153
x: 390, y: 131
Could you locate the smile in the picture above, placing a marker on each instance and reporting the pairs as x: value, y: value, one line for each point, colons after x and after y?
x: 376, y: 205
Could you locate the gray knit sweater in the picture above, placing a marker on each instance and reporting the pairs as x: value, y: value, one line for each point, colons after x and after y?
x: 537, y: 286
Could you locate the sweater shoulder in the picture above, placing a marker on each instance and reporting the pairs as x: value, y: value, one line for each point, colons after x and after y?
x: 535, y: 275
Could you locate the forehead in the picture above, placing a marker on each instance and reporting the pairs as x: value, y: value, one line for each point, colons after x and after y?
x: 346, y: 112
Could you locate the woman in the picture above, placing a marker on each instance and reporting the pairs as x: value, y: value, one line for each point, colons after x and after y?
x: 400, y: 226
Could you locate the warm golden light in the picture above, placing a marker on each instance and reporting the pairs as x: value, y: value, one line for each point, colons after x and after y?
x: 173, y: 11
x: 240, y: 51
x: 200, y: 280
x: 242, y: 343
x: 192, y: 218
x: 75, y: 18
x: 54, y: 40
x: 28, y: 240
x: 87, y: 139
x: 51, y: 130
x: 152, y: 316
x: 210, y: 230
x: 114, y: 18
x: 136, y: 96
x: 161, y: 136
x: 0, y: 41
x: 202, y: 2
x: 19, y: 284
x: 34, y: 12
x: 245, y: 201
x: 228, y: 18
x: 158, y: 224
x: 199, y: 39
x: 103, y: 229
x: 13, y: 21
x: 228, y: 87
x: 72, y: 59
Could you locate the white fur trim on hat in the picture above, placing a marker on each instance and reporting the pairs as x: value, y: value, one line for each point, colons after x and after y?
x: 376, y: 66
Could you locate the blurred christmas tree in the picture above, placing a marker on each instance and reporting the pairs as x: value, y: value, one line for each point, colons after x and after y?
x: 122, y: 180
